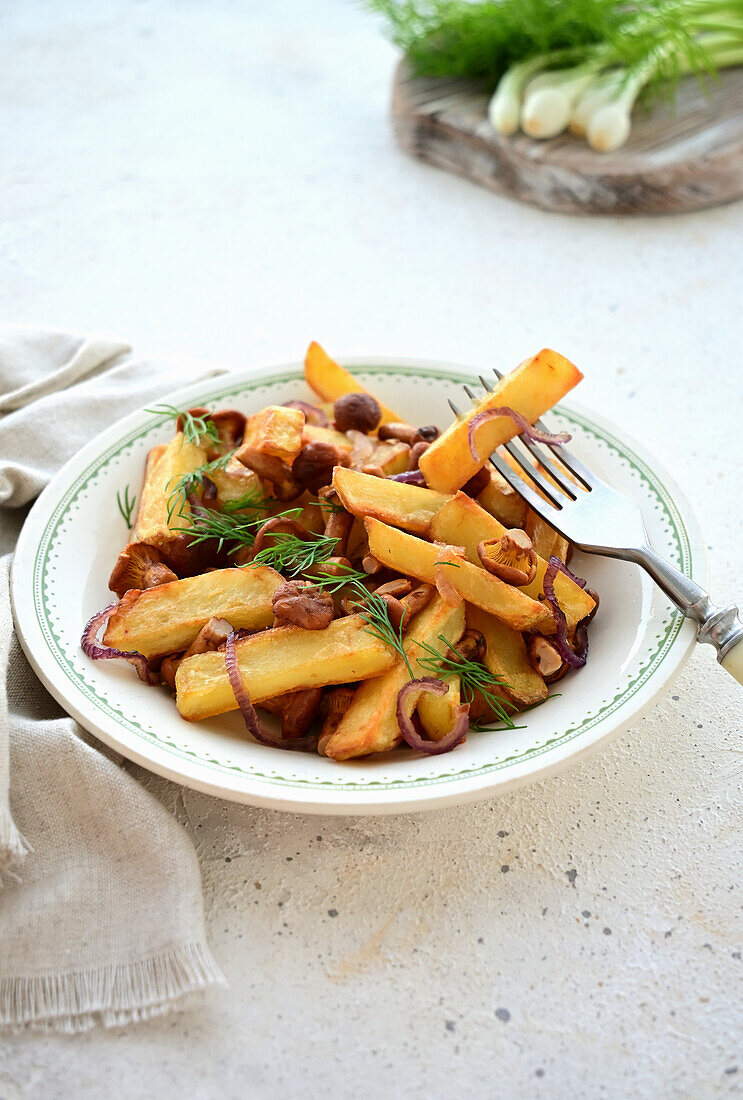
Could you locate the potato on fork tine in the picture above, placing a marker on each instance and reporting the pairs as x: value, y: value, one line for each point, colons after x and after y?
x: 604, y: 521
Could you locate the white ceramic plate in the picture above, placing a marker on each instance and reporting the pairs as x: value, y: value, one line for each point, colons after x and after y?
x: 74, y: 533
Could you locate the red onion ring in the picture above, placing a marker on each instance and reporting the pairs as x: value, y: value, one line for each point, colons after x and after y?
x: 410, y: 477
x: 97, y: 651
x: 410, y: 726
x: 253, y: 723
x: 312, y: 414
x: 562, y: 645
x: 525, y: 428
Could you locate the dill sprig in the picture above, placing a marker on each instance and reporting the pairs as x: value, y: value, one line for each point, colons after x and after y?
x: 232, y: 525
x: 375, y: 614
x: 195, y: 428
x: 191, y: 481
x: 472, y: 675
x: 126, y: 506
x: 291, y: 555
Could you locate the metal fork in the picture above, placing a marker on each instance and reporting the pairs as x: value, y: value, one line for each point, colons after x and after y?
x: 601, y: 520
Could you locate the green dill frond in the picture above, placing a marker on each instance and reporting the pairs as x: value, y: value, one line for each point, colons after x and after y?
x: 472, y: 675
x: 195, y: 428
x: 190, y: 482
x: 375, y: 614
x: 126, y: 506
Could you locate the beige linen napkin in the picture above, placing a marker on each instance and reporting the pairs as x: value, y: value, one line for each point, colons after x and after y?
x: 101, y: 917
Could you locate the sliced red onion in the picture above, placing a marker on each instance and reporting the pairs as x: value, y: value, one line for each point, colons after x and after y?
x: 251, y: 719
x: 410, y: 726
x: 410, y: 477
x: 562, y: 645
x: 525, y: 428
x: 97, y: 651
x: 580, y: 638
x: 312, y: 414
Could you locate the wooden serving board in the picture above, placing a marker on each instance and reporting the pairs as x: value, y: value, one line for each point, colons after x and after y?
x: 678, y: 158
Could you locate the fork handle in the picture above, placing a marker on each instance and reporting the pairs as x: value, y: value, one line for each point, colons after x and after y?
x: 720, y: 627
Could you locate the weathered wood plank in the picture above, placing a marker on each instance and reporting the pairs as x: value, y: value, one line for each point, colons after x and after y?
x: 679, y: 158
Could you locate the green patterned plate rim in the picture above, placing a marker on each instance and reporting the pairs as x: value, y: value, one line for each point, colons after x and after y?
x: 346, y: 780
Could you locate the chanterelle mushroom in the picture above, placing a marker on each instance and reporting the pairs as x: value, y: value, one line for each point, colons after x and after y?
x: 139, y: 566
x: 511, y: 557
x: 545, y: 658
x: 302, y: 605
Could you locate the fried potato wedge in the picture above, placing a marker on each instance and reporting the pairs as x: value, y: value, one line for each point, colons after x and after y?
x: 389, y: 456
x: 313, y: 433
x: 330, y: 380
x: 276, y: 431
x: 502, y: 501
x: 409, y: 506
x: 234, y: 482
x: 164, y: 469
x: 415, y: 558
x: 167, y: 618
x: 370, y: 723
x: 462, y: 521
x: 281, y: 660
x: 506, y: 657
x: 531, y: 389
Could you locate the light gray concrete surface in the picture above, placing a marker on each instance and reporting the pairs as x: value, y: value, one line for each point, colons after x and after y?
x: 218, y: 181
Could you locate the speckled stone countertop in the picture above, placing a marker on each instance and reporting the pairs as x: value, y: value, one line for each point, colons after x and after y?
x: 218, y: 181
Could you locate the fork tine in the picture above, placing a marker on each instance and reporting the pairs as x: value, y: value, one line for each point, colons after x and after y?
x: 498, y: 374
x: 519, y: 485
x: 543, y: 456
x: 540, y: 481
x: 453, y: 407
x: 469, y: 393
x: 569, y: 461
x: 485, y: 384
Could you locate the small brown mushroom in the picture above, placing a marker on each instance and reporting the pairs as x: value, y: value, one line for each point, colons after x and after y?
x: 313, y: 467
x: 297, y: 710
x: 470, y: 647
x: 357, y: 411
x: 395, y: 611
x: 416, y: 451
x: 370, y: 565
x: 545, y: 658
x: 334, y: 705
x: 511, y: 557
x: 301, y: 605
x: 139, y: 566
x: 398, y: 587
x: 230, y: 425
x: 212, y: 635
x: 338, y: 526
x: 416, y: 600
x: 406, y: 433
x: 478, y: 483
x: 331, y: 567
x: 373, y: 471
x: 169, y: 667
